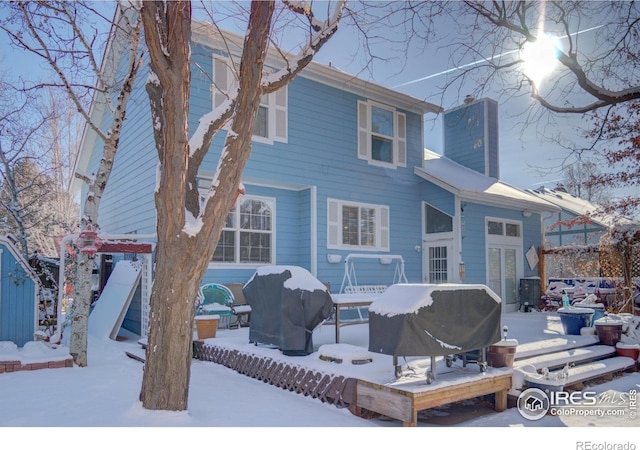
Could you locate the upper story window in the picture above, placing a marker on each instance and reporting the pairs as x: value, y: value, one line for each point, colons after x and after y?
x: 271, y: 120
x: 381, y: 135
x: 360, y: 226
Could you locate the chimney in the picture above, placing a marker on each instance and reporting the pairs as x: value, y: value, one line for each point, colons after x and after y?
x: 471, y: 135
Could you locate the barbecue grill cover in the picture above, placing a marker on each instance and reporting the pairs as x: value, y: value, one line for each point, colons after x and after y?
x: 433, y: 320
x: 287, y: 304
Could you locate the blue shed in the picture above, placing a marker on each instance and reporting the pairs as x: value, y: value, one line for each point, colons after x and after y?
x: 18, y: 296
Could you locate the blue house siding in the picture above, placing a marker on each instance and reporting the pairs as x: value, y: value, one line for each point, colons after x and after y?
x: 128, y: 204
x: 438, y: 198
x: 17, y: 299
x: 474, y: 238
x: 319, y: 161
x: 322, y: 152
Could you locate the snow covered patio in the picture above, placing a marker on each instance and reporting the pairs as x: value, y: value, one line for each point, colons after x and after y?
x: 332, y: 372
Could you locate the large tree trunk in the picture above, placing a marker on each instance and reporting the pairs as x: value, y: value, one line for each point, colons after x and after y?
x: 183, y: 254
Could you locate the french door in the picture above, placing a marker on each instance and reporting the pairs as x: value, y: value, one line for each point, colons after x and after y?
x: 503, y: 273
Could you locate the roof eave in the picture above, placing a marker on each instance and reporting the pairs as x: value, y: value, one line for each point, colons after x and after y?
x: 489, y: 198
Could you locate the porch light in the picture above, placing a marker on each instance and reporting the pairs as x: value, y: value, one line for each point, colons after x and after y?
x: 88, y: 240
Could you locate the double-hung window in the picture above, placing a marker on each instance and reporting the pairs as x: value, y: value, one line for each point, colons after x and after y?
x: 271, y: 123
x: 360, y: 226
x: 382, y: 137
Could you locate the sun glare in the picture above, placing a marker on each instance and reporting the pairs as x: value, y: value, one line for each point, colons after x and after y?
x: 539, y: 58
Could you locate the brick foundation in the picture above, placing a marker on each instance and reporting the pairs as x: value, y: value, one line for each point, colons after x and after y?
x: 16, y: 366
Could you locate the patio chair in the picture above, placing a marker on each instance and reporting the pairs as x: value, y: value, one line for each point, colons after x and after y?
x: 214, y: 298
x: 240, y: 311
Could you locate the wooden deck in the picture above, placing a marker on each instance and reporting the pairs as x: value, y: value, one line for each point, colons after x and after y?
x: 404, y: 402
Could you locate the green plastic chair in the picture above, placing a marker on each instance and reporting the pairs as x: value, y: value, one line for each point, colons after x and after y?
x: 214, y: 298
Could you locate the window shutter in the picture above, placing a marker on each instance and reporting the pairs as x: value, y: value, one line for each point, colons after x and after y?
x: 333, y: 224
x: 364, y: 131
x: 401, y: 134
x: 221, y: 77
x: 384, y: 228
x: 281, y: 117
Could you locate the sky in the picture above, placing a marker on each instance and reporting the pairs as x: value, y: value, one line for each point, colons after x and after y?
x: 101, y: 400
x: 523, y: 150
x: 421, y: 73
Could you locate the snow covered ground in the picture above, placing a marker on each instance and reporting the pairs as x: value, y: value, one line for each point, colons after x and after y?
x: 105, y: 395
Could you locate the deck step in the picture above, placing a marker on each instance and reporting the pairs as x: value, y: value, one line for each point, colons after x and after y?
x: 558, y: 359
x: 547, y: 346
x: 596, y: 369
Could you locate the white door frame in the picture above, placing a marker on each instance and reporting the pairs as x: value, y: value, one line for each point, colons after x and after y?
x: 450, y: 240
x: 505, y: 243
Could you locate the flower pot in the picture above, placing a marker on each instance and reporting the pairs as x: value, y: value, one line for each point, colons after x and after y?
x: 502, y: 353
x: 608, y: 331
x: 207, y: 326
x: 629, y: 350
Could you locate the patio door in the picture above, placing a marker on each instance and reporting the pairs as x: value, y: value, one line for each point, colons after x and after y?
x: 503, y: 274
x: 504, y: 260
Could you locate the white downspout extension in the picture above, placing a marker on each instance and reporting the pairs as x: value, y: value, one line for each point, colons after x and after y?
x: 457, y: 240
x: 72, y: 237
x: 314, y: 230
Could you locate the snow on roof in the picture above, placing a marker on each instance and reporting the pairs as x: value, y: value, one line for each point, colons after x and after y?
x: 409, y: 298
x: 577, y: 206
x: 474, y: 186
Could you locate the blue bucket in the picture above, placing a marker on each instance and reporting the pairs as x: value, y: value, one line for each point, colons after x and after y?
x: 598, y: 310
x: 573, y: 319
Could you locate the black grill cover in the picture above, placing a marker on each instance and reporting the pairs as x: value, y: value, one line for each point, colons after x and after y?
x: 287, y: 304
x: 433, y: 320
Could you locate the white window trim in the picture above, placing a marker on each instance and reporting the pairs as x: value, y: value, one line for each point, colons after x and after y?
x: 277, y: 106
x: 365, y: 134
x: 436, y: 236
x: 237, y: 264
x: 503, y: 239
x: 334, y: 227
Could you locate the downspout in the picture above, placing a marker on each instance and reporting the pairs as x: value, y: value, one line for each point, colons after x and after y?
x: 313, y: 192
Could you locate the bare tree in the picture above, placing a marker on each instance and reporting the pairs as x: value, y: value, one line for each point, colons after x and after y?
x: 24, y: 185
x: 187, y: 232
x: 66, y: 36
x: 618, y: 128
x: 580, y: 180
x: 60, y: 142
x: 595, y: 74
x: 35, y: 203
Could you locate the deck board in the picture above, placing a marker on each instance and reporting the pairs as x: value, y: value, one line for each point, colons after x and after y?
x: 403, y: 402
